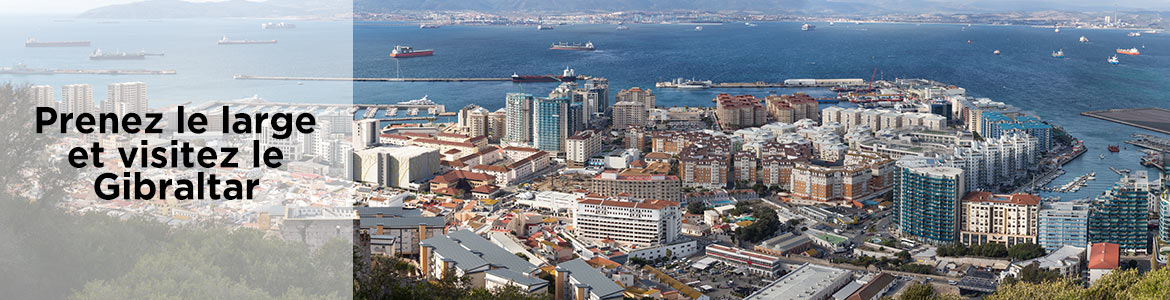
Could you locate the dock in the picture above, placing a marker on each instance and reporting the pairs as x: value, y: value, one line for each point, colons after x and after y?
x: 1153, y: 119
x: 1150, y: 142
x: 17, y: 71
x: 788, y: 83
x: 385, y: 79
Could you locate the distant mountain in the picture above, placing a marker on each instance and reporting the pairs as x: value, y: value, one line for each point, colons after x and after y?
x: 162, y: 9
x: 767, y: 6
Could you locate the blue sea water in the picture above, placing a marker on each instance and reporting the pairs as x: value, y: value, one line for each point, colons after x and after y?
x: 204, y: 68
x: 1025, y: 74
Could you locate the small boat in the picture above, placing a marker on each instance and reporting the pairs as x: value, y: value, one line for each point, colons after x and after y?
x: 996, y: 52
x: 968, y: 41
x: 543, y: 27
x: 1058, y: 53
x: 1056, y: 30
x: 749, y: 24
x: 623, y: 28
x: 807, y: 27
x: 1084, y: 39
x: 1113, y: 60
x: 698, y: 28
x: 1114, y: 148
x: 1134, y: 34
x: 428, y: 26
x: 1102, y: 155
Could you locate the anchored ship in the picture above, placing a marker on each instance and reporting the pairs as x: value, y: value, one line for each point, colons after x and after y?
x: 281, y: 25
x: 99, y: 55
x: 567, y: 75
x: 1130, y: 51
x: 226, y: 41
x: 577, y: 46
x: 428, y: 26
x: 544, y: 27
x: 807, y: 27
x: 407, y: 51
x: 32, y: 42
x: 1058, y: 53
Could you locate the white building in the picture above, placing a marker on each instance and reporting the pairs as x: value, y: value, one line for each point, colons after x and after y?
x: 365, y: 133
x: 550, y: 200
x: 641, y: 224
x: 581, y: 146
x: 77, y: 98
x: 1065, y: 261
x: 811, y: 282
x: 126, y: 97
x: 42, y: 95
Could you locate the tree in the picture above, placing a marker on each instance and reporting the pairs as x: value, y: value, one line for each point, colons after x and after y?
x: 1118, y: 285
x: 1026, y: 251
x: 696, y: 207
x: 922, y: 291
x: 1033, y: 274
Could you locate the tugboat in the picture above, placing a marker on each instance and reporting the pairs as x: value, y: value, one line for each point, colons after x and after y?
x: 1114, y: 148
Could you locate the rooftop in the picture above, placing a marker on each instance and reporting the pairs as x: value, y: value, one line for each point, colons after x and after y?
x: 598, y: 284
x: 806, y: 280
x: 1018, y: 199
x: 1104, y: 256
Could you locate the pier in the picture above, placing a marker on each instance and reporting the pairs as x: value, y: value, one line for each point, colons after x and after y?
x: 789, y: 83
x: 385, y: 79
x: 29, y: 71
x: 1150, y: 142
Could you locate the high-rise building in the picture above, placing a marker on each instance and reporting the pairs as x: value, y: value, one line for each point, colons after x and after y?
x: 518, y: 114
x: 126, y: 97
x: 365, y: 133
x: 1005, y: 219
x: 649, y: 223
x: 637, y: 95
x: 1064, y: 224
x: 597, y: 94
x: 473, y: 120
x: 77, y: 98
x: 497, y: 125
x: 627, y: 113
x: 927, y: 197
x: 792, y: 108
x: 637, y: 186
x: 550, y: 124
x: 42, y: 95
x: 1119, y: 215
x: 1164, y: 224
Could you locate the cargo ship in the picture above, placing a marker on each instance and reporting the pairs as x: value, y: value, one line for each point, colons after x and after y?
x: 407, y: 51
x: 97, y: 54
x: 577, y: 46
x: 281, y: 25
x: 226, y: 41
x: 1130, y: 51
x: 32, y: 42
x: 567, y: 75
x: 807, y: 27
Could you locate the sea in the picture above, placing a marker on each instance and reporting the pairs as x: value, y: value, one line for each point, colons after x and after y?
x: 1024, y: 74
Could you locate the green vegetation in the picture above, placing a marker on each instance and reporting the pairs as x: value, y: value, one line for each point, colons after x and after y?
x: 922, y: 291
x: 765, y: 225
x: 386, y: 277
x: 1119, y: 285
x: 900, y: 262
x: 994, y: 250
x: 1033, y: 274
x: 696, y: 207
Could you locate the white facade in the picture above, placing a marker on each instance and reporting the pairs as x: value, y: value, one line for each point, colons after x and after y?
x: 643, y: 224
x: 396, y: 166
x: 126, y: 97
x: 583, y: 145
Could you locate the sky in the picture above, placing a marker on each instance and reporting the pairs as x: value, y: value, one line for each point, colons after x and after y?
x: 73, y: 7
